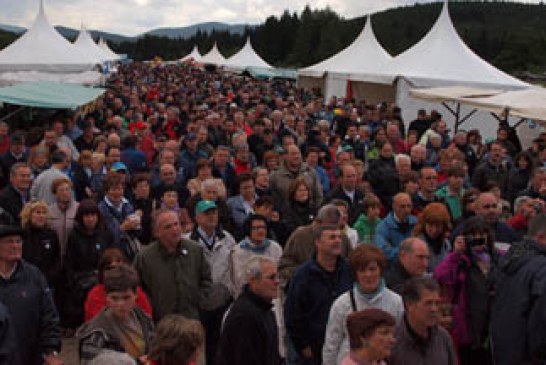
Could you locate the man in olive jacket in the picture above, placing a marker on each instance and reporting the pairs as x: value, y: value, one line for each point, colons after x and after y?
x: 174, y: 272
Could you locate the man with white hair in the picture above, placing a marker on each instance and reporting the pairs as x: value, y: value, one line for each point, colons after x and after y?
x: 402, y: 163
x: 418, y: 154
x: 525, y: 209
x: 249, y: 335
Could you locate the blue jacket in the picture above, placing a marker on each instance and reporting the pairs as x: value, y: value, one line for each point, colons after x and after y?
x: 310, y: 295
x: 389, y: 235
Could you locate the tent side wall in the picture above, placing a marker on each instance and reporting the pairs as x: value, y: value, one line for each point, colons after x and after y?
x: 373, y: 93
x: 335, y: 86
x: 481, y: 120
x: 307, y: 82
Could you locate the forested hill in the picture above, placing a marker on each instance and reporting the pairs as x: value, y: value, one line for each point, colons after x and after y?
x: 512, y: 36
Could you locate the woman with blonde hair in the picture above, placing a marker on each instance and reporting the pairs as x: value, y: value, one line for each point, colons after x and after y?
x: 41, y: 247
x: 177, y: 341
x: 434, y: 226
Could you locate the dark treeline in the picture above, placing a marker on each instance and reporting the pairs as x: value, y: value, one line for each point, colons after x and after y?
x: 512, y: 36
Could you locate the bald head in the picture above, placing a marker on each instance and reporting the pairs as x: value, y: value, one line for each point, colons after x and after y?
x: 402, y: 206
x: 488, y: 207
x: 414, y: 256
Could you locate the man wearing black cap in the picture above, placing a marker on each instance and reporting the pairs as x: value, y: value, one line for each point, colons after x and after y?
x: 24, y: 291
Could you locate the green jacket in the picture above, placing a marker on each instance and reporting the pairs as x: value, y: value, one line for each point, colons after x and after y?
x: 453, y: 201
x: 174, y: 283
x: 366, y: 230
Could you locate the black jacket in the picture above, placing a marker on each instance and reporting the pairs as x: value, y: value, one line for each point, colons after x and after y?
x: 33, y: 314
x: 355, y: 205
x: 249, y: 335
x: 518, y: 323
x: 396, y: 276
x: 384, y: 179
x: 84, y: 249
x: 41, y: 248
x: 7, y: 160
x: 485, y: 172
x: 7, y: 337
x: 518, y: 180
x: 11, y: 202
x: 297, y: 215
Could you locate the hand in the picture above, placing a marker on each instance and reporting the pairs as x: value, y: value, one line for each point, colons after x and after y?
x: 53, y: 360
x: 459, y: 245
x: 129, y: 224
x: 307, y: 353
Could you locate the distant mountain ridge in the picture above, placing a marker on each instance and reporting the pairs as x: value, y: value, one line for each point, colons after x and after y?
x: 169, y: 32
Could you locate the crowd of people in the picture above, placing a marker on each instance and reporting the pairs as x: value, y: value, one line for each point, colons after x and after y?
x: 191, y: 216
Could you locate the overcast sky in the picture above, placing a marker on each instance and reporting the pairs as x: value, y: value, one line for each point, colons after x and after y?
x: 132, y: 17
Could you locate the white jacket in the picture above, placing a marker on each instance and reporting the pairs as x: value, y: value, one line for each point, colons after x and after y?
x: 218, y: 259
x: 336, y: 343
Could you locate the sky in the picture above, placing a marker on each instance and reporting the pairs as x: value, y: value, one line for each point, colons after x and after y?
x: 133, y: 17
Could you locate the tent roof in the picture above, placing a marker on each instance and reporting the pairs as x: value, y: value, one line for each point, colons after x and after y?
x: 42, y: 48
x: 364, y: 56
x: 89, y: 48
x: 443, y: 55
x: 194, y: 55
x: 213, y: 57
x: 46, y: 94
x: 113, y: 56
x: 528, y: 103
x: 453, y: 93
x: 246, y: 57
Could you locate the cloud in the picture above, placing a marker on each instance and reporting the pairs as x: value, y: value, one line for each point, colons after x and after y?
x: 132, y: 17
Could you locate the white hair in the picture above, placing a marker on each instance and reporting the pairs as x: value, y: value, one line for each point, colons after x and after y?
x: 401, y: 156
x: 252, y: 268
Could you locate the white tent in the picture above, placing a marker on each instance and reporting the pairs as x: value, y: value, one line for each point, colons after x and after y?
x: 89, y: 48
x: 43, y: 49
x: 193, y: 55
x: 442, y: 57
x: 213, y: 57
x: 363, y: 59
x: 246, y: 57
x: 112, y: 56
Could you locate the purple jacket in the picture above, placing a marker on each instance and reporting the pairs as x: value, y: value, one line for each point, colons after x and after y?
x: 453, y: 280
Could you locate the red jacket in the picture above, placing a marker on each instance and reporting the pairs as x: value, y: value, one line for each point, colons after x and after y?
x: 96, y: 301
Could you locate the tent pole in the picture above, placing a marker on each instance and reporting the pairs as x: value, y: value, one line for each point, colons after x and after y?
x: 466, y: 117
x: 521, y: 121
x: 457, y: 116
x: 15, y: 112
x: 455, y: 113
x: 496, y: 117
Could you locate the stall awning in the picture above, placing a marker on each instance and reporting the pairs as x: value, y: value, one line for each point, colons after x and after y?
x: 46, y: 94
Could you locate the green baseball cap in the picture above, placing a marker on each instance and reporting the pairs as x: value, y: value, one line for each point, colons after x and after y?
x: 205, y: 205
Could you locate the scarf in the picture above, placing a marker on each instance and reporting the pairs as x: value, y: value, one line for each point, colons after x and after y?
x: 370, y: 296
x: 258, y: 250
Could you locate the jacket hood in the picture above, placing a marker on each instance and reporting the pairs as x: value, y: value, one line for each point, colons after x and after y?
x: 519, y: 254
